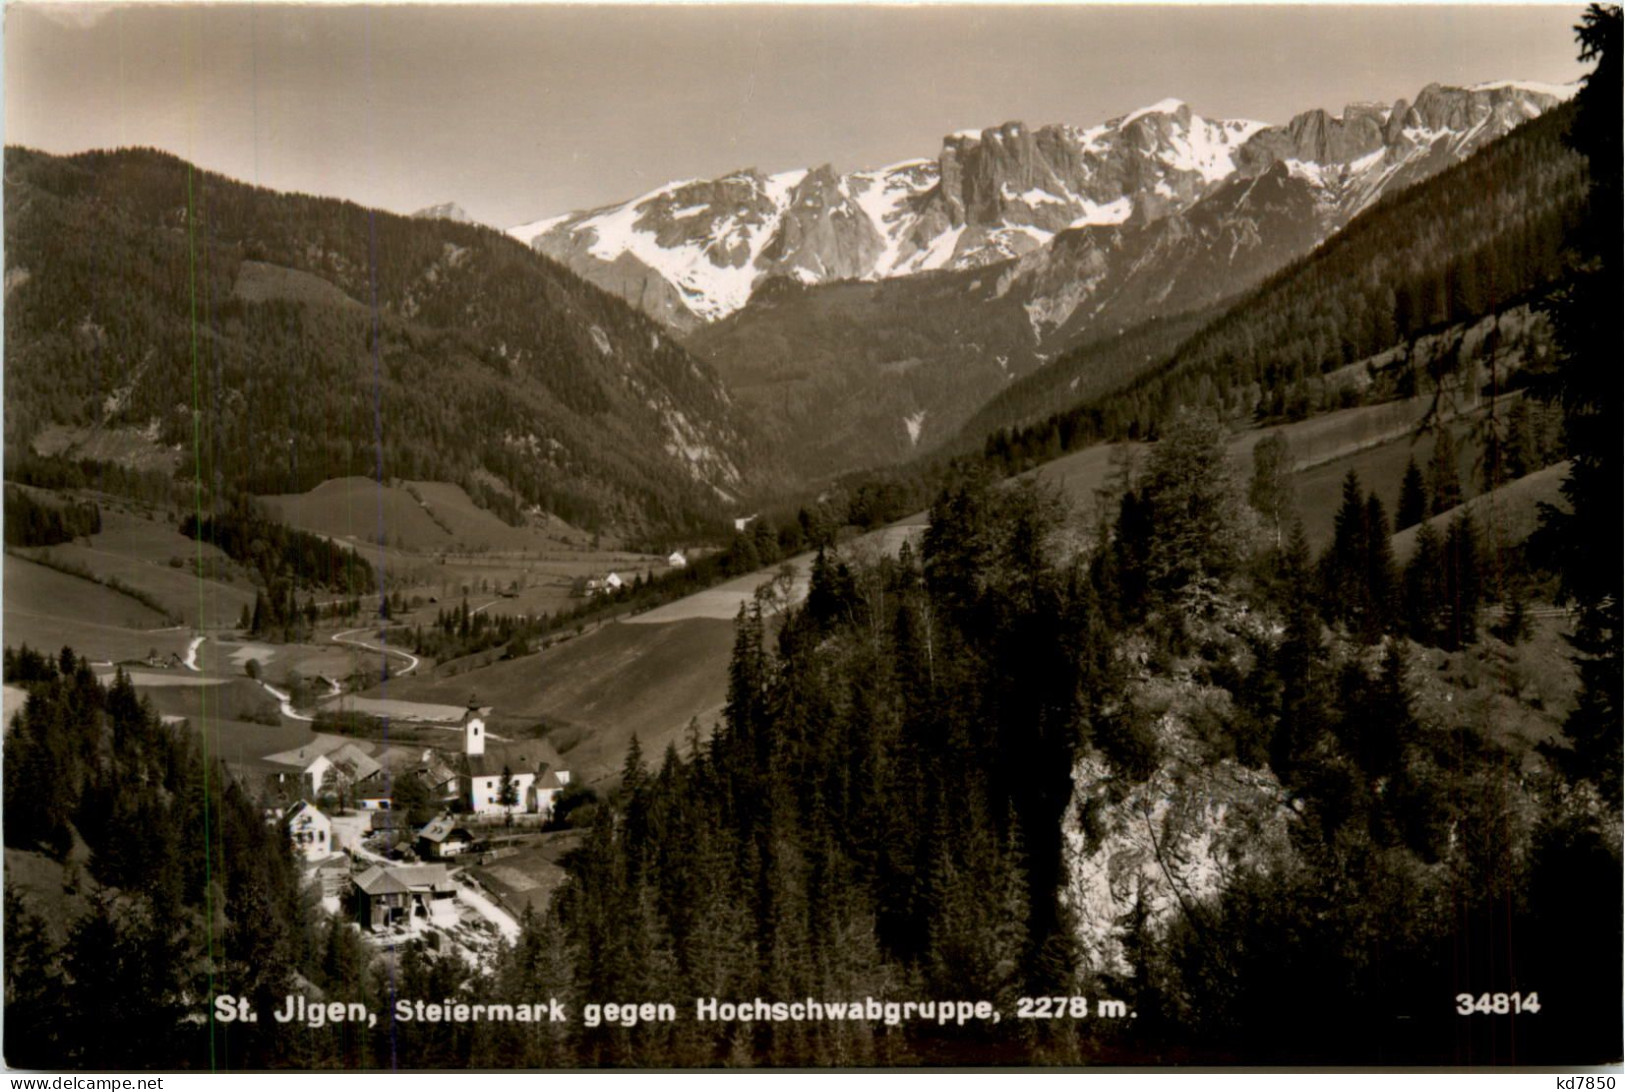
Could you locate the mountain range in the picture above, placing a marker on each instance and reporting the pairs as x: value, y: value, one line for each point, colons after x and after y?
x: 694, y: 251
x: 873, y: 371
x: 813, y: 320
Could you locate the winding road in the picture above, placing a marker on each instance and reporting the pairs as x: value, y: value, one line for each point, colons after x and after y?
x: 344, y: 639
x: 287, y: 703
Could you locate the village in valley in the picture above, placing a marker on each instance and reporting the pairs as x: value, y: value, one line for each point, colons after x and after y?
x: 373, y: 864
x: 413, y: 808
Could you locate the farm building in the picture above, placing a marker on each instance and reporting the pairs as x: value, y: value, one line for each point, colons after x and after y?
x: 676, y: 560
x: 404, y: 895
x: 440, y: 774
x: 443, y: 838
x: 348, y: 774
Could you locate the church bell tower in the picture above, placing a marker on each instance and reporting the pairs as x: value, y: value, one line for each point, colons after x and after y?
x: 473, y: 729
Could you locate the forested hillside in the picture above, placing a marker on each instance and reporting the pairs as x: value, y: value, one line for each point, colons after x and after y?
x: 919, y: 778
x: 266, y: 342
x: 918, y: 773
x: 168, y: 885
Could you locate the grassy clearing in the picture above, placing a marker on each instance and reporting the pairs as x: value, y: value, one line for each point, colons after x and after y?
x: 49, y: 632
x: 144, y: 538
x: 243, y: 741
x: 448, y: 504
x: 1507, y: 515
x: 416, y: 517
x: 319, y: 657
x: 182, y: 595
x: 361, y: 510
x: 598, y: 690
x: 236, y: 700
x: 1318, y: 490
x: 43, y: 592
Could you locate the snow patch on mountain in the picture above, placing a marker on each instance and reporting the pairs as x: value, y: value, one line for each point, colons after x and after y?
x: 1112, y: 212
x: 527, y: 232
x: 1166, y: 106
x: 914, y: 422
x: 1208, y: 147
x: 1562, y: 92
x: 695, y: 251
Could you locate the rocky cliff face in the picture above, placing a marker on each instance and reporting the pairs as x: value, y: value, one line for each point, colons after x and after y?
x: 990, y: 195
x: 1292, y: 187
x: 1165, y: 846
x: 692, y: 252
x: 1169, y: 845
x: 450, y: 210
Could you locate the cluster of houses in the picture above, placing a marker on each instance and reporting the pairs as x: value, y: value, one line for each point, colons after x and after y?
x: 487, y: 779
x: 589, y: 586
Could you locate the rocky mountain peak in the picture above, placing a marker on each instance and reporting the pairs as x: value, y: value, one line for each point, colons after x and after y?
x: 449, y: 210
x: 698, y: 249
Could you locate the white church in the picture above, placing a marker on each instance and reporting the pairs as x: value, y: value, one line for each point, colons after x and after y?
x: 533, y: 765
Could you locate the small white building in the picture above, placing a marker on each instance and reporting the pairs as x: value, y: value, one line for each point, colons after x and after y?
x: 548, y: 788
x: 676, y: 560
x: 613, y: 582
x: 310, y: 831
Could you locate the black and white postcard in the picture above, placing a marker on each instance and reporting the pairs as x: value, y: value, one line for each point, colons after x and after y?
x: 811, y: 537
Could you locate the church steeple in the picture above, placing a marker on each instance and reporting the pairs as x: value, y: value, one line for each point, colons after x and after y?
x: 473, y: 729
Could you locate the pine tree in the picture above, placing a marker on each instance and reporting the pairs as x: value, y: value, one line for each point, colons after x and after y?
x: 507, y: 792
x: 1444, y: 473
x: 33, y: 985
x: 1343, y: 567
x: 261, y: 618
x: 1412, y: 506
x: 1585, y: 540
x: 1195, y: 505
x: 1379, y: 718
x: 1463, y: 588
x: 1270, y: 492
x: 1379, y: 573
x: 1299, y: 662
x: 1424, y: 587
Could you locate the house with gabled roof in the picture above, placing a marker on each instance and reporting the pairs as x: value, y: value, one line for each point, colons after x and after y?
x: 443, y: 838
x: 404, y: 895
x: 439, y: 773
x: 310, y: 831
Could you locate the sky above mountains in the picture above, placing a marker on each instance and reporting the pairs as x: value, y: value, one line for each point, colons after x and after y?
x: 525, y: 111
